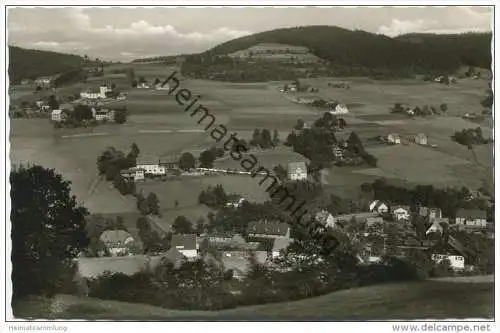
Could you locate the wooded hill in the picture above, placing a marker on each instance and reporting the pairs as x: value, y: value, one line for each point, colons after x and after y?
x: 362, y: 53
x: 30, y: 64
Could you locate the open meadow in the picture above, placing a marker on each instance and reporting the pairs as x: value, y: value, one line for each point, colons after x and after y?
x: 158, y: 125
x: 400, y: 301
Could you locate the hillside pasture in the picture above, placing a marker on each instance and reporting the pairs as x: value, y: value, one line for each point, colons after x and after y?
x: 397, y: 301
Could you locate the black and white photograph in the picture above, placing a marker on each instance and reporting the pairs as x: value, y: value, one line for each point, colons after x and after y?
x: 228, y: 163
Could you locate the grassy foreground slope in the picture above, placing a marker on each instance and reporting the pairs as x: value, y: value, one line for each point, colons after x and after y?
x: 412, y: 300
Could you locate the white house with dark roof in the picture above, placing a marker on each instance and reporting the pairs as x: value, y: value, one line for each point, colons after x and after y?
x: 297, y: 171
x: 379, y: 207
x: 456, y: 262
x: 394, y: 138
x: 268, y: 229
x: 471, y: 218
x: 400, y: 212
x: 152, y: 168
x: 185, y: 244
x: 57, y: 115
x: 117, y: 241
x: 421, y: 139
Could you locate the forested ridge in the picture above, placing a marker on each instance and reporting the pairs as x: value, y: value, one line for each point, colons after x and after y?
x: 30, y: 64
x: 358, y: 52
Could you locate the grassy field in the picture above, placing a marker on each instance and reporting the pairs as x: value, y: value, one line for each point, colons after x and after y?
x: 414, y: 300
x: 161, y: 129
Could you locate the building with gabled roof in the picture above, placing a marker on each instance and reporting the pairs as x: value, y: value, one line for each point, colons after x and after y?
x: 268, y: 229
x: 185, y: 244
x: 471, y: 217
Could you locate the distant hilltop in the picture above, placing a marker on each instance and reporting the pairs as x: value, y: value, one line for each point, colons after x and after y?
x: 329, y: 50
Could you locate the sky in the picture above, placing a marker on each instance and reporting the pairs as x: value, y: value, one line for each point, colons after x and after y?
x: 122, y: 34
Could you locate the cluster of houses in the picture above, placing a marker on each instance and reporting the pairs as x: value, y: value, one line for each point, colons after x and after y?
x: 98, y: 113
x: 469, y: 220
x: 395, y: 139
x: 266, y: 240
x: 102, y: 93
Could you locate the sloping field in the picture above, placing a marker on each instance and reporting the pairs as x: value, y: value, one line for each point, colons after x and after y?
x: 414, y: 300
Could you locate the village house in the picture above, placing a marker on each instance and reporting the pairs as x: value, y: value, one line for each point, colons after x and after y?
x: 297, y: 171
x: 337, y: 108
x: 101, y: 114
x: 117, y: 241
x: 26, y: 82
x: 57, y: 115
x: 400, y: 213
x: 379, y: 207
x: 160, y: 86
x: 235, y: 201
x: 338, y: 153
x: 44, y: 80
x: 324, y: 217
x: 96, y: 94
x: 471, y: 218
x: 143, y: 85
x: 185, y: 244
x: 152, y: 168
x: 394, y: 138
x: 137, y: 174
x: 421, y: 139
x: 436, y: 226
x: 267, y: 229
x: 456, y: 262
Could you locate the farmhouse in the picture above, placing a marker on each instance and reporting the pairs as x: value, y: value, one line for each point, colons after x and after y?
x: 421, y: 139
x: 136, y: 174
x: 379, y: 207
x: 57, y: 115
x: 103, y: 114
x: 117, y: 241
x: 44, y: 80
x: 337, y: 108
x: 437, y: 226
x: 162, y: 87
x: 266, y: 229
x: 143, y: 85
x: 152, y: 169
x: 394, y: 138
x: 471, y: 218
x: 456, y: 262
x: 358, y: 217
x: 400, y: 212
x: 297, y: 171
x: 185, y: 244
x: 280, y: 245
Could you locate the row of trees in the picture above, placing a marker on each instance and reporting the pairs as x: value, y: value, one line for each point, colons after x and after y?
x: 426, y: 110
x: 214, y: 197
x: 262, y: 138
x: 113, y: 161
x: 318, y: 142
x: 470, y: 137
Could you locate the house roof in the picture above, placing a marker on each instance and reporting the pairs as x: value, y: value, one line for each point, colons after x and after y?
x: 394, y: 135
x: 357, y: 216
x: 54, y: 112
x: 115, y: 236
x: 407, y: 208
x: 420, y: 135
x: 377, y: 204
x: 471, y: 213
x: 184, y: 242
x: 268, y: 228
x: 294, y: 166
